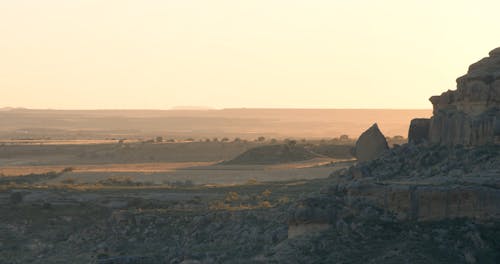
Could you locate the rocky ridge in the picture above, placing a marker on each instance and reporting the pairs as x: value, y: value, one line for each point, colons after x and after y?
x: 469, y: 115
x: 423, y: 192
x: 428, y: 183
x: 448, y: 173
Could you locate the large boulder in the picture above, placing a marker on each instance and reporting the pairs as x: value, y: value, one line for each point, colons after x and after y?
x: 469, y: 115
x: 371, y: 144
x: 419, y: 130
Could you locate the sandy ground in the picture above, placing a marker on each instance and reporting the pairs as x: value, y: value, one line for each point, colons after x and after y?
x: 102, y: 168
x: 180, y: 162
x: 196, y: 172
x: 212, y: 176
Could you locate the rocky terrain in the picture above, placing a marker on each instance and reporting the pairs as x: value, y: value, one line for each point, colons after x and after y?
x: 145, y: 225
x: 429, y: 184
x: 414, y: 195
x: 414, y: 204
x: 448, y: 175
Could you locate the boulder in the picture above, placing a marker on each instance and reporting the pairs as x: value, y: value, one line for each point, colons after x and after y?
x: 371, y: 144
x: 419, y: 130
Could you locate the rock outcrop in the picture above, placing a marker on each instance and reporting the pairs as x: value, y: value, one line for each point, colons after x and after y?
x: 454, y: 179
x: 371, y: 144
x: 427, y: 183
x: 469, y: 115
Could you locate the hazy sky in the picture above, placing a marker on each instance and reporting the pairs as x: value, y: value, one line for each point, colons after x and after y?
x: 238, y: 53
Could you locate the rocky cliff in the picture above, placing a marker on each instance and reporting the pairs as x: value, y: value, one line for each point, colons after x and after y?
x: 409, y: 187
x: 452, y: 182
x: 429, y: 183
x: 469, y: 115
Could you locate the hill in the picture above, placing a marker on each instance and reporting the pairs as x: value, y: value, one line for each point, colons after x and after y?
x: 273, y: 154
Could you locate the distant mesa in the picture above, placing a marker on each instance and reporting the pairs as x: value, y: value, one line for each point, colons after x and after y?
x: 189, y: 107
x: 273, y: 154
x: 371, y: 144
x: 8, y: 108
x: 469, y: 115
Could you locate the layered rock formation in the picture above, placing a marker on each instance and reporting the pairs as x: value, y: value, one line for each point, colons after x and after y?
x: 371, y: 144
x: 427, y: 183
x: 469, y: 115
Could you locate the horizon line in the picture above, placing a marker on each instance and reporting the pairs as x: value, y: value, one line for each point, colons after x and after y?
x: 204, y: 109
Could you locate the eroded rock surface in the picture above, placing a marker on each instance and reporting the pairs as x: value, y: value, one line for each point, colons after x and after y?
x: 427, y: 183
x: 470, y: 115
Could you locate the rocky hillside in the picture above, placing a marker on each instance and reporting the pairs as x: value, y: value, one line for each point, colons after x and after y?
x: 415, y: 204
x: 429, y: 183
x: 424, y: 194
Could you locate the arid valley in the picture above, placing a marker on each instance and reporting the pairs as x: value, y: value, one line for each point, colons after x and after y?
x: 249, y: 132
x: 107, y: 198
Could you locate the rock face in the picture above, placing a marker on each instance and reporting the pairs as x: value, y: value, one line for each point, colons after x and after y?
x: 469, y: 115
x: 429, y: 203
x: 422, y: 183
x: 371, y: 144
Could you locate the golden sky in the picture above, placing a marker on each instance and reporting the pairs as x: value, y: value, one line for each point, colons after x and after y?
x: 238, y: 53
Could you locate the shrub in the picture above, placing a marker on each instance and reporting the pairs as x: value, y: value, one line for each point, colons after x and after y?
x: 67, y: 169
x: 69, y: 181
x: 266, y: 193
x: 252, y: 181
x: 265, y: 204
x: 232, y: 196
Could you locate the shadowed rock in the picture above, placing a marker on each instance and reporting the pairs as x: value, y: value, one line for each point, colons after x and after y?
x: 419, y: 130
x: 371, y: 144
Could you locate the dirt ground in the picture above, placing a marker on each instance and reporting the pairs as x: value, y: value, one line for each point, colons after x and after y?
x: 195, y: 162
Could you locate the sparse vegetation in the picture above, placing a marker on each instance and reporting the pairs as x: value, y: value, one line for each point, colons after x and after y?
x: 69, y: 181
x: 133, y: 211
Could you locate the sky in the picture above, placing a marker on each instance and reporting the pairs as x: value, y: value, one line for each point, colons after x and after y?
x: 159, y: 54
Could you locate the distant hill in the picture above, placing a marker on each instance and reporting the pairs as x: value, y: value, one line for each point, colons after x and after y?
x: 273, y: 154
x: 192, y: 107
